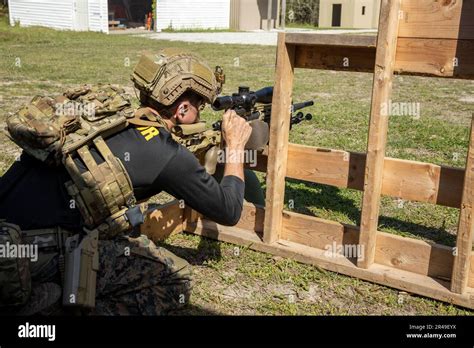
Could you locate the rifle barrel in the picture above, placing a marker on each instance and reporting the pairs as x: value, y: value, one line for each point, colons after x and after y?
x: 298, y: 106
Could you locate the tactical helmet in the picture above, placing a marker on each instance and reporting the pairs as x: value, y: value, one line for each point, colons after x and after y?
x: 165, y: 76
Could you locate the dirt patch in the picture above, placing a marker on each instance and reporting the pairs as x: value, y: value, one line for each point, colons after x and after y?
x: 468, y: 99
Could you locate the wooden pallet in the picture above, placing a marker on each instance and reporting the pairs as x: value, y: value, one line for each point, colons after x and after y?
x: 427, y: 37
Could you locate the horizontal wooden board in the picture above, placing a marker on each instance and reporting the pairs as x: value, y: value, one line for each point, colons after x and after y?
x: 435, y: 19
x: 423, y: 182
x: 403, y: 253
x: 409, y: 180
x: 313, y: 39
x: 339, y: 58
x: 326, y: 166
x: 381, y: 274
x: 437, y: 57
x: 415, y: 56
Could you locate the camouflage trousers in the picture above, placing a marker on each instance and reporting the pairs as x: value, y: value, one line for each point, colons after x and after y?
x: 135, y: 277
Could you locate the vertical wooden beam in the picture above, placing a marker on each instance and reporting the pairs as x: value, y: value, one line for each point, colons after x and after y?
x: 462, y: 256
x: 278, y: 146
x: 382, y: 88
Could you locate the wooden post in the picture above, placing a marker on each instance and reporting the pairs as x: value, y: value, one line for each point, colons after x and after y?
x: 278, y: 146
x: 462, y: 256
x: 382, y: 88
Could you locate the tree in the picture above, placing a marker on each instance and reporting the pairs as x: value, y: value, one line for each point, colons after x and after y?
x: 303, y: 11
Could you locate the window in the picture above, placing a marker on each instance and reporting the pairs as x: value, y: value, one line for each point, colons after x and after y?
x: 363, y: 10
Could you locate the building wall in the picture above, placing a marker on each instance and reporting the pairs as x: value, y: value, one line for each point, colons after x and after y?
x: 364, y: 21
x: 376, y: 14
x: 252, y: 14
x: 47, y: 13
x: 64, y: 14
x: 351, y: 16
x: 191, y: 14
x: 347, y: 13
x: 98, y: 15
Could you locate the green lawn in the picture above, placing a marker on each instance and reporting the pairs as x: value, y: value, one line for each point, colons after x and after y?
x: 43, y: 61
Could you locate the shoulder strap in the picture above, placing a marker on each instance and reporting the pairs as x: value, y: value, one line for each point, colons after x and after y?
x: 146, y: 118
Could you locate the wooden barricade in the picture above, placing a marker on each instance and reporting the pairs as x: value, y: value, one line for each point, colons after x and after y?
x: 416, y: 37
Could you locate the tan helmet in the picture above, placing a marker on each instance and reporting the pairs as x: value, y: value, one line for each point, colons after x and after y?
x: 165, y: 76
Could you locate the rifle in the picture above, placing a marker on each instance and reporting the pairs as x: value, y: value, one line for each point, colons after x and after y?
x: 254, y: 107
x: 257, y: 106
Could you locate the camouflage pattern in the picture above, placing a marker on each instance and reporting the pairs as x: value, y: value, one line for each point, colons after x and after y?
x: 203, y: 143
x: 57, y: 129
x: 135, y: 277
x: 138, y: 278
x: 15, y: 278
x: 103, y: 193
x: 44, y: 300
x: 50, y: 127
x: 165, y: 76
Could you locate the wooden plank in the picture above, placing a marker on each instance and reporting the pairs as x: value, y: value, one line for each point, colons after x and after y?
x: 163, y: 222
x: 437, y: 19
x: 466, y: 225
x: 278, y: 145
x: 339, y: 58
x: 433, y: 57
x: 436, y: 57
x: 403, y: 253
x: 405, y: 179
x: 382, y: 88
x: 315, y: 39
x: 408, y: 254
x: 385, y: 275
x: 326, y: 166
x: 423, y: 182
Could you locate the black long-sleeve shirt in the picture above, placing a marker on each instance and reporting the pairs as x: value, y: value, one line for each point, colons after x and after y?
x: 33, y: 195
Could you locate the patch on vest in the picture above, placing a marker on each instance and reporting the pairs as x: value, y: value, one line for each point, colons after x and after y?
x: 148, y: 132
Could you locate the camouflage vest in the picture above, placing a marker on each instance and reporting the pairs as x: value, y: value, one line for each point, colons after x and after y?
x: 203, y: 143
x: 57, y: 130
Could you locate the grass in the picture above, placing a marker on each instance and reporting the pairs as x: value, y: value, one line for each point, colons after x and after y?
x: 43, y: 61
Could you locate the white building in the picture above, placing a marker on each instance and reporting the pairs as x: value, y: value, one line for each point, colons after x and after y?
x: 349, y: 13
x: 95, y: 15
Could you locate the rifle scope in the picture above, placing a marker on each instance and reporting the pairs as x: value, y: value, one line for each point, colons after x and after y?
x: 244, y: 99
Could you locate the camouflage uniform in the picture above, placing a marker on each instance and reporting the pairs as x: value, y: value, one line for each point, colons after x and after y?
x: 135, y: 277
x: 150, y: 281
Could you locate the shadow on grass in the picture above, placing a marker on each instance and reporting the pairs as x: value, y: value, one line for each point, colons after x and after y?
x: 330, y: 198
x: 207, y: 250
